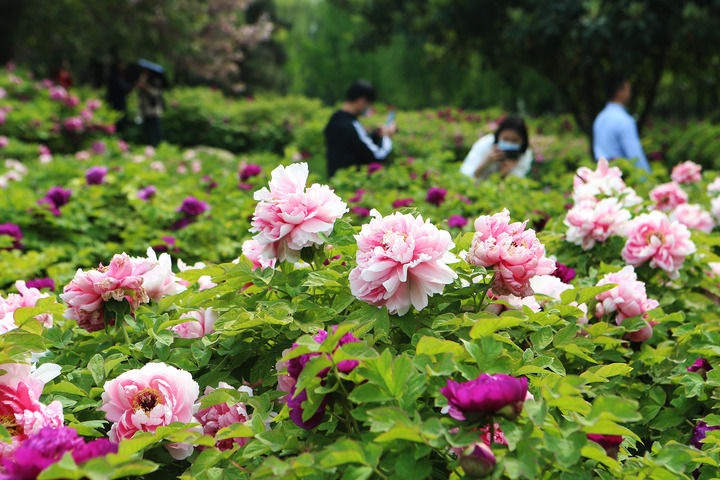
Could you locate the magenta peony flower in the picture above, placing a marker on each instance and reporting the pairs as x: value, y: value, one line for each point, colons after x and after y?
x: 295, y: 402
x: 686, y: 172
x: 486, y: 395
x: 72, y: 101
x: 13, y: 231
x: 93, y: 449
x: 95, y: 175
x: 360, y: 211
x: 514, y: 252
x: 374, y: 167
x: 357, y: 198
x: 193, y: 207
x: 98, y: 147
x: 252, y: 249
x: 590, y: 222
x: 56, y: 197
x: 290, y: 217
x: 651, y: 236
x: 73, y: 124
x: 457, y: 221
x: 222, y: 415
x: 181, y: 223
x: 147, y: 193
x: 436, y: 196
x: 402, y: 202
x: 202, y: 323
x: 693, y: 216
x: 401, y: 261
x: 611, y: 443
x: 250, y: 171
x: 20, y: 408
x: 700, y: 432
x: 668, y: 196
x: 701, y: 366
x: 121, y: 280
x: 40, y: 451
x: 26, y: 297
x: 93, y: 104
x: 477, y: 460
x: 144, y: 399
x: 41, y: 283
x: 564, y: 273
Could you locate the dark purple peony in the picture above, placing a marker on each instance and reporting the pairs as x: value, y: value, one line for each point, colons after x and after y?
x: 360, y: 211
x: 147, y: 193
x: 250, y: 171
x: 402, y: 202
x: 611, y: 443
x: 182, y: 223
x: 296, y: 410
x: 374, y: 167
x: 163, y: 247
x: 457, y: 221
x: 41, y: 283
x: 12, y: 230
x: 193, y: 207
x: 95, y: 175
x: 58, y: 196
x: 477, y: 461
x: 701, y: 366
x: 436, y: 196
x: 563, y: 272
x: 486, y: 395
x: 358, y: 196
x: 40, y: 451
x: 96, y: 448
x: 699, y: 433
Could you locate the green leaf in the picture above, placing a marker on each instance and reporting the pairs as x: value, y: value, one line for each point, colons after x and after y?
x: 96, y: 365
x: 434, y: 346
x: 487, y: 324
x: 235, y: 430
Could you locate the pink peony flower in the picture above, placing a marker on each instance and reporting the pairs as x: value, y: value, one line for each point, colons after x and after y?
x: 98, y: 147
x: 590, y: 222
x: 604, y: 181
x: 27, y: 297
x: 202, y: 323
x: 627, y: 299
x: 4, y: 142
x: 93, y: 104
x: 73, y: 124
x: 252, y: 249
x: 476, y: 460
x: 290, y: 217
x: 686, y: 172
x: 514, y: 252
x: 693, y: 216
x: 222, y: 415
x: 159, y: 281
x: 401, y: 260
x: 123, y: 146
x: 651, y: 236
x: 714, y: 186
x: 87, y: 293
x: 147, y: 398
x: 715, y: 208
x: 374, y: 167
x: 21, y: 411
x: 58, y: 93
x: 285, y: 382
x: 205, y: 282
x: 611, y: 443
x: 72, y: 101
x: 668, y: 196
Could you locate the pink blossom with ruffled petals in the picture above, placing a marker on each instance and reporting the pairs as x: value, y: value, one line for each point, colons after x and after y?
x: 627, y: 299
x: 686, y: 172
x: 252, y: 249
x: 693, y: 216
x: 651, y: 236
x: 147, y: 398
x: 714, y: 186
x: 290, y: 217
x: 668, y: 196
x: 202, y: 323
x: 73, y: 124
x: 715, y: 208
x: 159, y: 281
x: 514, y: 252
x: 590, y: 222
x: 604, y: 181
x: 121, y: 280
x: 21, y: 411
x: 401, y: 261
x: 26, y: 297
x: 223, y: 415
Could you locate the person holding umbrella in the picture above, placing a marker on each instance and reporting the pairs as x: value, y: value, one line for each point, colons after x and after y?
x: 150, y: 86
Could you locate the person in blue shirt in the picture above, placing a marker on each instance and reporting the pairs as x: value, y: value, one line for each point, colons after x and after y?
x: 615, y: 133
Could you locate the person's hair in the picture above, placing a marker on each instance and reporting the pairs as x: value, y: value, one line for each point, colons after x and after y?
x: 613, y: 83
x: 516, y: 123
x: 360, y: 89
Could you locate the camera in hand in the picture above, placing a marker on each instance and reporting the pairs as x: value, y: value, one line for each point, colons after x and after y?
x: 512, y: 150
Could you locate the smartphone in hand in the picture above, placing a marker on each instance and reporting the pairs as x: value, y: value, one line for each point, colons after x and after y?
x: 390, y: 118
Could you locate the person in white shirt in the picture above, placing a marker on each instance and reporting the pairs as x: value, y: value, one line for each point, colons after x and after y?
x: 505, y: 152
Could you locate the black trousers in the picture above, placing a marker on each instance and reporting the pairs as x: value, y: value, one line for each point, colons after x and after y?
x: 153, y: 130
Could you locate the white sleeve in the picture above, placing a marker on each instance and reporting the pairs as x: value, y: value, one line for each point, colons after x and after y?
x: 477, y: 156
x: 378, y: 152
x: 523, y: 167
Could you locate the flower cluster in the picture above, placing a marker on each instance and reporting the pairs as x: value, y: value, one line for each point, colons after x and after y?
x: 627, y: 299
x: 290, y: 217
x: 668, y: 196
x: 604, y: 181
x: 652, y: 236
x: 401, y: 261
x: 513, y: 251
x: 26, y: 297
x: 222, y: 415
x: 693, y: 216
x: 686, y: 172
x: 589, y: 222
